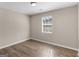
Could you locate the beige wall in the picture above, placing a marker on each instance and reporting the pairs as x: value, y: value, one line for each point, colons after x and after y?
x: 14, y: 27
x: 78, y: 29
x: 64, y: 29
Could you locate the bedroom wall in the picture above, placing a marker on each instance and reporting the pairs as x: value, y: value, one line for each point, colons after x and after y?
x: 14, y: 27
x: 78, y: 29
x: 64, y: 31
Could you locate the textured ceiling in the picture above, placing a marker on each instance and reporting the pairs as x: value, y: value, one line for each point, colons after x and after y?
x: 26, y: 8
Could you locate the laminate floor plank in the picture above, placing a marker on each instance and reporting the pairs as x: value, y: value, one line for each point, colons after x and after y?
x: 32, y: 48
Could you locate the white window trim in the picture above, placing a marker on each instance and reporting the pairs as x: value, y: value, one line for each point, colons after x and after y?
x: 43, y: 26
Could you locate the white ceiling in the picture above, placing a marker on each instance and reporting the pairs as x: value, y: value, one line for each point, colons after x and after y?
x: 26, y: 8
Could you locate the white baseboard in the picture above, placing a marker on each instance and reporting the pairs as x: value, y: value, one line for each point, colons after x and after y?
x: 1, y: 47
x: 40, y: 41
x: 56, y: 44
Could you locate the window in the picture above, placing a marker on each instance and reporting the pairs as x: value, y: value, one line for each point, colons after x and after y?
x: 47, y: 24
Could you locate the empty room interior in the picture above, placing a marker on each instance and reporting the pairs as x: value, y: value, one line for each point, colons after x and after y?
x: 39, y: 29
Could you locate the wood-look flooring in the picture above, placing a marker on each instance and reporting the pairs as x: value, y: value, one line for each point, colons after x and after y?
x: 32, y: 48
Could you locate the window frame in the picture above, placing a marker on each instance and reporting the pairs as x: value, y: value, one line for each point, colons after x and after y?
x: 43, y: 24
